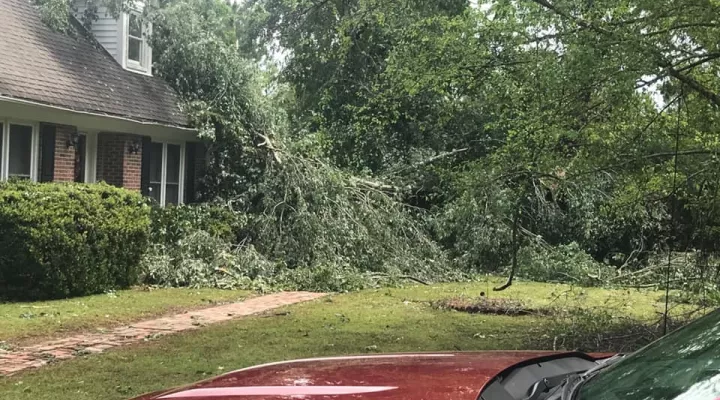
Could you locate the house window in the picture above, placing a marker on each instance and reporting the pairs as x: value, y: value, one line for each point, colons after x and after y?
x: 18, y: 150
x: 138, y: 50
x: 166, y: 172
x: 90, y: 143
x: 172, y: 174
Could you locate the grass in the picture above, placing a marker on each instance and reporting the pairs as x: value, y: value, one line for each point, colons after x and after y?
x: 385, y: 320
x: 640, y: 304
x: 23, y: 322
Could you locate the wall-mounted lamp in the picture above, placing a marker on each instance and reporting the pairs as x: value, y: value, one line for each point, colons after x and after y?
x: 73, y: 141
x: 134, y: 147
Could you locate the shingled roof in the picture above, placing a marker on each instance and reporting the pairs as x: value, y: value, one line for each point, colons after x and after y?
x: 48, y: 67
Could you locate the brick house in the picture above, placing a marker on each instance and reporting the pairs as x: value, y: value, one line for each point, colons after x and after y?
x: 87, y: 110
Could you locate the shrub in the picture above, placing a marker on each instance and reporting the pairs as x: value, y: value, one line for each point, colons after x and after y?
x: 59, y: 240
x: 171, y: 224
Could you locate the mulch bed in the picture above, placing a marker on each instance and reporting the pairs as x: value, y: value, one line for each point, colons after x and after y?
x: 484, y: 305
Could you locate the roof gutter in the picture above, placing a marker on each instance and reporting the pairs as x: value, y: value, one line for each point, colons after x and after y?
x: 144, y: 123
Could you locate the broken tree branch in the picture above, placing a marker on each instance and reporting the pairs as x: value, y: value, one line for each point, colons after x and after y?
x: 381, y: 186
x: 267, y: 143
x: 408, y: 277
x: 433, y: 159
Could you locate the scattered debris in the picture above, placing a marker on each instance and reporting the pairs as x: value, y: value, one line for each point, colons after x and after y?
x: 81, y: 352
x: 5, y: 346
x: 484, y: 305
x: 153, y: 336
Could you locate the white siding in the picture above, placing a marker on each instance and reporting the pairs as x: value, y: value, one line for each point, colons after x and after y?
x: 111, y: 33
x: 106, y: 30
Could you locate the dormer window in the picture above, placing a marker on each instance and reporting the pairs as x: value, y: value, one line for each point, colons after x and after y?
x: 138, y: 53
x: 135, y: 38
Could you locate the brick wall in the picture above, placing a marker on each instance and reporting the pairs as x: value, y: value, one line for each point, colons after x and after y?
x: 64, y: 165
x: 132, y: 164
x: 115, y: 164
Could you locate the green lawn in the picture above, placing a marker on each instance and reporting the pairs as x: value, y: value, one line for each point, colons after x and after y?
x: 386, y: 320
x: 22, y: 322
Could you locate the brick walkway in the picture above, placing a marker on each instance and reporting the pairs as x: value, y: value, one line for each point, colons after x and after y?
x: 23, y: 358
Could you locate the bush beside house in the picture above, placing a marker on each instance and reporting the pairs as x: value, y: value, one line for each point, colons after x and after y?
x: 61, y: 240
x: 171, y: 224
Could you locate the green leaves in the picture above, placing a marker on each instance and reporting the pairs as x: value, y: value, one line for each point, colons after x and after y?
x: 336, y: 56
x: 195, y: 44
x: 63, y: 240
x: 560, y: 115
x: 57, y: 13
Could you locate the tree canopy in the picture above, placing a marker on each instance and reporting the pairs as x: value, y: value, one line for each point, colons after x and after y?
x: 520, y: 126
x: 562, y: 140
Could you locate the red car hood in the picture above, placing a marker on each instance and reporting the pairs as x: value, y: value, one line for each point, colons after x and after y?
x: 457, y: 376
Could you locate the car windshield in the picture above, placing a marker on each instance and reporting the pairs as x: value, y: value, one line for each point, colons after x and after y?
x: 684, y: 365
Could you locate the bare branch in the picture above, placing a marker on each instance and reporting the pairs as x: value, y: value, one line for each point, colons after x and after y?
x: 696, y: 86
x: 656, y: 117
x: 705, y: 59
x: 566, y: 15
x: 433, y: 159
x: 381, y: 186
x: 408, y: 277
x: 267, y: 143
x: 682, y: 26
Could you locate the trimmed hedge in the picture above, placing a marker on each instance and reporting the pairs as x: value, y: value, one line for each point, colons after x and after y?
x: 60, y: 240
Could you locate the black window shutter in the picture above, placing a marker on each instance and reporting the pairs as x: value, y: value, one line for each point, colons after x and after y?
x: 190, y: 156
x: 145, y: 167
x: 47, y: 152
